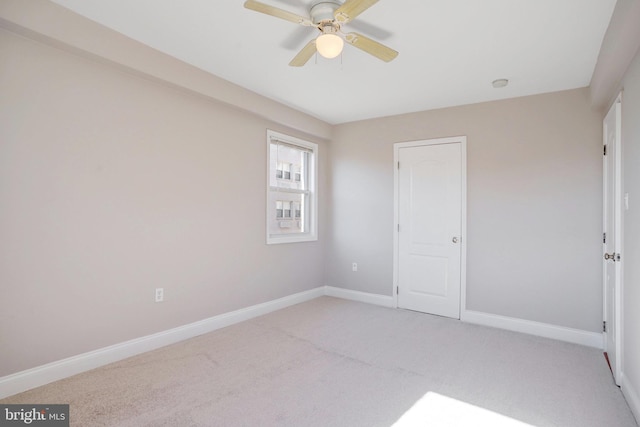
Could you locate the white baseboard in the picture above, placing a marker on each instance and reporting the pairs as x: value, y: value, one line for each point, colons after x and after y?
x: 383, y: 300
x: 41, y: 375
x: 631, y: 395
x: 576, y: 336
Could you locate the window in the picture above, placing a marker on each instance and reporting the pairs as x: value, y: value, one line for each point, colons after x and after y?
x: 283, y: 170
x: 286, y: 206
x: 283, y: 209
x: 291, y: 189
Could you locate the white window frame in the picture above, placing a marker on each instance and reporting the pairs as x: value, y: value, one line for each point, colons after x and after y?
x: 312, y: 234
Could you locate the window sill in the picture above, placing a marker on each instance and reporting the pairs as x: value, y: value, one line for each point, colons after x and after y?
x: 273, y: 240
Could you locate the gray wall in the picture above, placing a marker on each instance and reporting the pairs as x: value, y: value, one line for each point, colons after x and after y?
x: 112, y: 185
x: 631, y: 235
x: 534, y: 204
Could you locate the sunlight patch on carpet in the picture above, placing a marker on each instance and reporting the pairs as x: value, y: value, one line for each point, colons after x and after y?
x: 437, y: 410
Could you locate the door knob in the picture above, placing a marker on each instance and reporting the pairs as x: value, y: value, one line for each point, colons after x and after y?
x: 614, y: 256
x: 454, y: 240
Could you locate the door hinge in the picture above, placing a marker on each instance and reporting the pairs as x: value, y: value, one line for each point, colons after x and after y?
x: 398, y: 228
x: 604, y: 326
x: 605, y: 150
x: 397, y: 290
x: 604, y: 237
x: 398, y: 165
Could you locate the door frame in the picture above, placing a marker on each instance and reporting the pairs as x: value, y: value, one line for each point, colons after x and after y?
x: 618, y: 220
x: 462, y: 140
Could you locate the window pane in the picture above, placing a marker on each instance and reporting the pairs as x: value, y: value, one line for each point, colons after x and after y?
x: 288, y: 166
x: 287, y: 217
x: 291, y: 192
x: 273, y: 165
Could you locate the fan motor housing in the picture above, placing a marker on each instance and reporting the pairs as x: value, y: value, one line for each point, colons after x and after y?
x: 323, y: 11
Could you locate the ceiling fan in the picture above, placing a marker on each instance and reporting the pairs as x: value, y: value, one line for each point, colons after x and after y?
x: 328, y: 17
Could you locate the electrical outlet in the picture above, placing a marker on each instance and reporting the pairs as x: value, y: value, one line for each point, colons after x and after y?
x: 354, y: 266
x: 159, y: 294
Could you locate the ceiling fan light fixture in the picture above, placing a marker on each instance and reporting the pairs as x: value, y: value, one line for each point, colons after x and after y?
x: 328, y: 16
x: 329, y: 45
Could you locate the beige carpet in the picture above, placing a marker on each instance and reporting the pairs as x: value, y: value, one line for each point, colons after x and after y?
x: 331, y: 362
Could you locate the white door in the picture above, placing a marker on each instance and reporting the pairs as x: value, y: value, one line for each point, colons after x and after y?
x: 612, y: 236
x: 429, y: 233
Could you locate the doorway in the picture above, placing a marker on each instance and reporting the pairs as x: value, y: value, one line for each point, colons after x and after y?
x: 430, y: 234
x: 612, y: 237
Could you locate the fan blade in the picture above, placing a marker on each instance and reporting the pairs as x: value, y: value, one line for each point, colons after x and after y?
x: 352, y: 8
x: 371, y: 47
x: 304, y: 55
x: 278, y: 13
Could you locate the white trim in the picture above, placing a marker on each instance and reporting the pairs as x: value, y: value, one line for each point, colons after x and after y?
x: 396, y: 222
x: 366, y: 297
x: 576, y: 336
x: 631, y: 395
x: 462, y: 140
x: 312, y: 235
x: 463, y: 228
x: 41, y: 375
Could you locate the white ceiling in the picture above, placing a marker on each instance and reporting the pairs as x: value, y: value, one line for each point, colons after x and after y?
x: 450, y: 50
